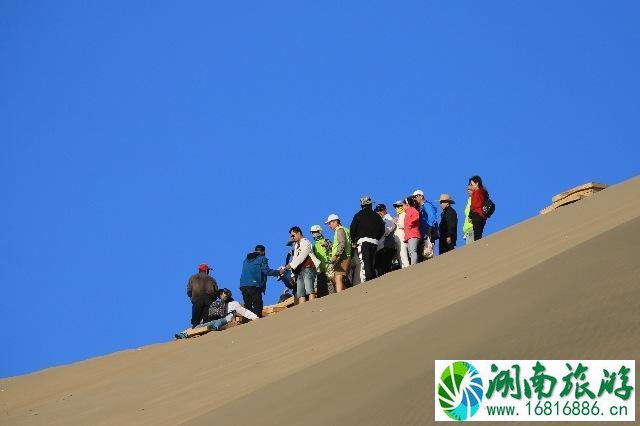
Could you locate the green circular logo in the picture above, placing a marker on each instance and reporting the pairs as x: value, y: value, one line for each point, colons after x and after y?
x: 460, y: 390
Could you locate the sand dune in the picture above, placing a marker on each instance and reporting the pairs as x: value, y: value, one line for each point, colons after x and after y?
x: 565, y: 285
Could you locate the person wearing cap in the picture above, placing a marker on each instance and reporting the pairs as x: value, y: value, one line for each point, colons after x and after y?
x: 287, y: 277
x: 253, y: 279
x: 221, y: 312
x: 448, y: 224
x: 428, y: 223
x: 340, y: 251
x: 367, y: 227
x: 398, y: 235
x: 201, y: 290
x: 304, y: 265
x: 412, y: 228
x: 386, y: 244
x: 321, y: 249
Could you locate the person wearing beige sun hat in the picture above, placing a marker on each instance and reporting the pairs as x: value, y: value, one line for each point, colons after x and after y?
x: 448, y: 224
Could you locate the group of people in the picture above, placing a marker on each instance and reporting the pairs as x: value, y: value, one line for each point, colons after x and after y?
x: 374, y: 244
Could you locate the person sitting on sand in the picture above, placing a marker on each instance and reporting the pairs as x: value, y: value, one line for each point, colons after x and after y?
x: 221, y: 312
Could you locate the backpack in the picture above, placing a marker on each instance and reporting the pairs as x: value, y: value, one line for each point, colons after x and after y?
x: 217, y: 309
x: 489, y: 207
x: 435, y: 232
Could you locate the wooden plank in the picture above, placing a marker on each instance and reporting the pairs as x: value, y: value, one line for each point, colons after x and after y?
x: 571, y: 198
x: 199, y: 331
x: 587, y: 186
x: 278, y: 307
x: 574, y: 197
x: 547, y: 209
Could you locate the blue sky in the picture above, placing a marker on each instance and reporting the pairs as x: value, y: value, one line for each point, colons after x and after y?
x: 139, y: 139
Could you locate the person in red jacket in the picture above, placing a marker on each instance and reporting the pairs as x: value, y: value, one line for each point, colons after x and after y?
x: 478, y: 198
x: 412, y: 228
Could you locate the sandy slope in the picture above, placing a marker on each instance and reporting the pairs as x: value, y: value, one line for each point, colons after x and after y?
x: 563, y: 285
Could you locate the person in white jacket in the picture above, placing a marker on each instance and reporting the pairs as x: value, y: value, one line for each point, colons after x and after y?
x: 304, y: 265
x: 398, y: 235
x: 220, y: 313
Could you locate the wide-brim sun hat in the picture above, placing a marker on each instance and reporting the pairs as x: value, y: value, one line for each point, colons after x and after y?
x: 446, y: 198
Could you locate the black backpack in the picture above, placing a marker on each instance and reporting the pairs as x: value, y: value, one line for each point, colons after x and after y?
x: 488, y: 208
x: 217, y: 310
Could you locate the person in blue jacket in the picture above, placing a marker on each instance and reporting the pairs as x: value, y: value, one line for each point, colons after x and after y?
x: 428, y: 222
x: 253, y: 281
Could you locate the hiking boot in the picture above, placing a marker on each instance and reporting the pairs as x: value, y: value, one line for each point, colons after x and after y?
x: 181, y: 335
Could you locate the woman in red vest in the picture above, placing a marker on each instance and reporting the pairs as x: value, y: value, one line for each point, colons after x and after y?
x: 478, y: 198
x: 412, y: 228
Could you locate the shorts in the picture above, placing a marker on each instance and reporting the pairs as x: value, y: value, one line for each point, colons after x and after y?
x: 306, y: 282
x: 341, y: 267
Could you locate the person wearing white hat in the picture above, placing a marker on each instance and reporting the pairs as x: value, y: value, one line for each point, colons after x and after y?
x: 448, y: 224
x: 340, y: 252
x: 428, y: 225
x: 321, y: 248
x: 402, y: 254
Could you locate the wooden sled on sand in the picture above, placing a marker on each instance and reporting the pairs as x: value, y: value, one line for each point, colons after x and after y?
x: 266, y: 311
x: 572, y: 195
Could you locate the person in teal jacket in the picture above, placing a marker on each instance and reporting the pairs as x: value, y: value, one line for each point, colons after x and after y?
x: 253, y: 280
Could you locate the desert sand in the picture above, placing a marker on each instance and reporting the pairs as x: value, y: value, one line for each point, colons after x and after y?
x: 564, y: 285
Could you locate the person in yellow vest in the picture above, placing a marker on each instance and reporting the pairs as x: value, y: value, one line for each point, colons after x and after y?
x: 467, y: 227
x: 340, y: 251
x: 322, y: 250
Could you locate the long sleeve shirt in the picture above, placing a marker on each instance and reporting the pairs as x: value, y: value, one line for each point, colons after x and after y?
x: 302, y: 251
x: 389, y: 227
x: 399, y: 232
x: 449, y: 224
x: 411, y: 223
x: 467, y: 226
x: 478, y: 198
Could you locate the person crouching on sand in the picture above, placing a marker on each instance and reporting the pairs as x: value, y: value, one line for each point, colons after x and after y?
x: 221, y: 312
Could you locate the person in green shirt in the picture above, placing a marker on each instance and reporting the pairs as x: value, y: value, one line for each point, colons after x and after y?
x: 340, y: 251
x: 467, y: 227
x: 322, y: 250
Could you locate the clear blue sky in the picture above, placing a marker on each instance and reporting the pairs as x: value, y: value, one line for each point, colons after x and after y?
x: 139, y: 139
